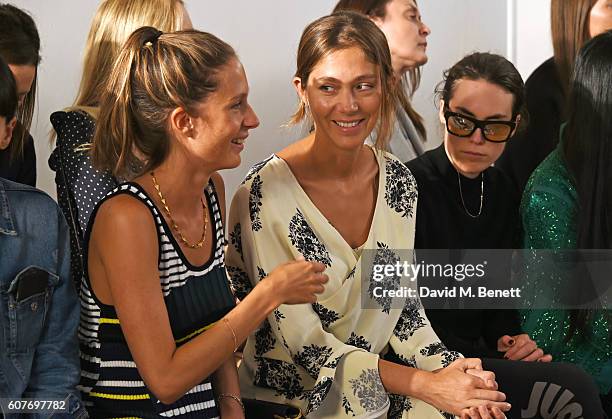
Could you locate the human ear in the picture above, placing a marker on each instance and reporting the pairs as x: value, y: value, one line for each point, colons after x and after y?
x: 7, y: 134
x: 441, y: 113
x: 181, y: 123
x: 300, y: 89
x: 518, y: 123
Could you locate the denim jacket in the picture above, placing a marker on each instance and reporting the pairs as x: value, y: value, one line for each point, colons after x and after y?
x: 39, y: 308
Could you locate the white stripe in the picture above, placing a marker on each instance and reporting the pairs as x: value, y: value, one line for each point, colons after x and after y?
x: 90, y: 375
x: 117, y: 364
x: 119, y: 383
x: 193, y: 408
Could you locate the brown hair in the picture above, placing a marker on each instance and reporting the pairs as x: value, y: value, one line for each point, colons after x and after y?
x: 154, y: 74
x: 412, y: 78
x: 345, y: 30
x: 20, y: 45
x: 494, y: 69
x: 569, y: 21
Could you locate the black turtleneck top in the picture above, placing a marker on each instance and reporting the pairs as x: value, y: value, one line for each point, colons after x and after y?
x: 443, y: 223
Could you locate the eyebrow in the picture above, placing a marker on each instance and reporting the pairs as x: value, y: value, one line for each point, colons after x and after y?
x: 357, y: 79
x: 496, y: 116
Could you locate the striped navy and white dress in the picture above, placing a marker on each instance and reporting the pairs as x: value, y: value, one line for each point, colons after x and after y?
x: 195, y: 297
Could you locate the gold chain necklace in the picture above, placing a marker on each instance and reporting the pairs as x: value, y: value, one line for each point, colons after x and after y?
x: 176, y: 228
x: 481, y: 195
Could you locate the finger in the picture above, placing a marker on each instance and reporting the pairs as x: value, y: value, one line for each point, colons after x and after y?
x: 487, y: 377
x: 469, y: 363
x: 497, y: 414
x: 317, y: 266
x: 484, y: 412
x: 474, y: 413
x: 505, y: 343
x: 502, y: 406
x: 546, y: 358
x: 489, y: 395
x: 465, y: 414
x: 534, y: 356
x: 520, y: 351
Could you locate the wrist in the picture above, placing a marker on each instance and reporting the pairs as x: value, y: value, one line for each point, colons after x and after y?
x: 266, y: 292
x: 422, y: 385
x: 230, y: 403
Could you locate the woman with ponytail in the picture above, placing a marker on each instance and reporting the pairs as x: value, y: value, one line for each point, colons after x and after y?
x: 79, y: 185
x: 159, y: 324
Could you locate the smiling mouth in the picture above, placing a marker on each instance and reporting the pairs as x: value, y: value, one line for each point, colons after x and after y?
x: 472, y: 153
x: 348, y: 124
x: 238, y: 141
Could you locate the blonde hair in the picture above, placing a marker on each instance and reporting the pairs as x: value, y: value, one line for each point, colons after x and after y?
x: 113, y: 23
x: 154, y: 74
x: 343, y: 30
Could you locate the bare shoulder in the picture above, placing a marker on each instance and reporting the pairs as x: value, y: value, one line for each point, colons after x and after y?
x: 125, y: 216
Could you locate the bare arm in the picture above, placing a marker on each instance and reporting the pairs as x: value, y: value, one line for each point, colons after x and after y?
x: 124, y: 248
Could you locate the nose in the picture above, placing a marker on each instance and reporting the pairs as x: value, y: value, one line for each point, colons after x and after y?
x: 425, y: 31
x: 250, y: 119
x: 477, y: 136
x: 348, y: 102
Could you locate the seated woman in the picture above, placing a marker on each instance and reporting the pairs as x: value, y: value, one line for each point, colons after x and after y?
x: 328, y: 197
x: 79, y: 186
x: 463, y: 199
x: 567, y: 204
x: 158, y: 323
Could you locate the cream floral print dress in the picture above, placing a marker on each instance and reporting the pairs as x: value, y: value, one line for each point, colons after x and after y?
x: 323, y: 358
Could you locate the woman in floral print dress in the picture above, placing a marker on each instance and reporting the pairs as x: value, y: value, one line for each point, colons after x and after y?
x: 330, y: 198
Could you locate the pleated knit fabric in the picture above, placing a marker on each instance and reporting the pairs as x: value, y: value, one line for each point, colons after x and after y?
x: 195, y: 297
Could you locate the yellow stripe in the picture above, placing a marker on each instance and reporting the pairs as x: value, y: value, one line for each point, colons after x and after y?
x: 197, y: 332
x: 120, y: 396
x: 109, y: 321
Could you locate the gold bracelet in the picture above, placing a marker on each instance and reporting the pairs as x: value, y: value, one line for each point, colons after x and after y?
x: 229, y: 326
x: 233, y: 397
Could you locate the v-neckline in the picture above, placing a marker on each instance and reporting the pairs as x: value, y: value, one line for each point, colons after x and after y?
x: 302, y: 192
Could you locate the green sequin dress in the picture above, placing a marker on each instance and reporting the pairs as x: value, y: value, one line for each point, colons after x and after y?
x: 548, y: 212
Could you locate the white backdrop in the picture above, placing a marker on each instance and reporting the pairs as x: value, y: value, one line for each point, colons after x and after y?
x: 265, y: 35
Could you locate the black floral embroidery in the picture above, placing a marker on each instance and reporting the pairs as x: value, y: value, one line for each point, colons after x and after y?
x: 305, y: 241
x: 318, y: 394
x: 326, y: 315
x: 399, y: 405
x: 236, y: 239
x: 384, y: 256
x: 261, y: 273
x: 255, y: 169
x: 280, y: 376
x: 239, y: 282
x: 409, y: 362
x: 255, y: 198
x: 264, y: 339
x: 278, y: 316
x: 409, y: 322
x: 333, y: 363
x: 400, y: 188
x: 351, y: 273
x: 448, y: 357
x: 359, y: 342
x: 347, y: 406
x: 369, y: 390
x: 433, y: 349
x: 447, y: 415
x: 312, y: 358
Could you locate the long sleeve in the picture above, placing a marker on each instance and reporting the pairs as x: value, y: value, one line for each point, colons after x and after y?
x: 307, y: 350
x: 58, y: 346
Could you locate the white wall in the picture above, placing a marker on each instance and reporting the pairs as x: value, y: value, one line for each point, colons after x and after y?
x: 265, y: 34
x: 532, y: 43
